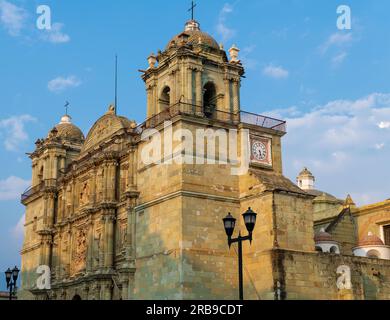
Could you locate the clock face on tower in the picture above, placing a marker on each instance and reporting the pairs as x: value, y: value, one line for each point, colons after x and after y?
x: 261, y: 151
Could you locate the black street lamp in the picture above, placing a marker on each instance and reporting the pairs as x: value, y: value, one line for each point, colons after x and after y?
x: 230, y: 223
x: 11, y: 276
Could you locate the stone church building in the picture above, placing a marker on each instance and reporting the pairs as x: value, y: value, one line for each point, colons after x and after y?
x: 110, y: 226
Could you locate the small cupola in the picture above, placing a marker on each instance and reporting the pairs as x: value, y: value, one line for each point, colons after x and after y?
x: 371, y: 246
x: 306, y: 180
x: 324, y: 242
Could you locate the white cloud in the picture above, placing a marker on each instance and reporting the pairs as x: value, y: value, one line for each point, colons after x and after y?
x: 336, y: 39
x: 60, y: 84
x: 337, y: 141
x: 379, y: 146
x: 55, y: 34
x: 338, y: 59
x: 12, y: 188
x: 384, y: 125
x: 18, y: 230
x: 12, y: 17
x: 13, y: 132
x: 223, y: 30
x: 276, y: 72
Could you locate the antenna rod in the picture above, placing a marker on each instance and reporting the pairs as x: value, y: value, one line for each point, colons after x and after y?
x: 116, y: 83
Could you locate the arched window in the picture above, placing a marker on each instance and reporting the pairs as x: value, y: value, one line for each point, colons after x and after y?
x: 209, y: 99
x: 165, y: 98
x: 373, y: 254
x: 333, y: 249
x: 76, y: 297
x: 318, y: 249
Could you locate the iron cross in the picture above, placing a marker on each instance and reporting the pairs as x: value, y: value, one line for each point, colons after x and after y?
x: 193, y: 5
x: 66, y: 107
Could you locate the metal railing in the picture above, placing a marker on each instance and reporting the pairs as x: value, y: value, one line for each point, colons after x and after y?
x: 211, y: 113
x: 263, y: 121
x: 47, y: 183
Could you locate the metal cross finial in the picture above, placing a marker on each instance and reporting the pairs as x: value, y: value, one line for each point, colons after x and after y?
x: 193, y: 5
x: 66, y: 107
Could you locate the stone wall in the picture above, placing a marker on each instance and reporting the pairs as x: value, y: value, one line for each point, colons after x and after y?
x: 313, y: 276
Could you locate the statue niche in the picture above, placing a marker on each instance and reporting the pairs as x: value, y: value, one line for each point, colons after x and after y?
x: 80, y: 252
x: 84, y: 195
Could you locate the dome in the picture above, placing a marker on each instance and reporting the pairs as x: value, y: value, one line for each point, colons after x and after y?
x: 370, y: 240
x: 305, y: 173
x: 67, y: 130
x: 323, y: 236
x: 105, y: 127
x: 193, y: 35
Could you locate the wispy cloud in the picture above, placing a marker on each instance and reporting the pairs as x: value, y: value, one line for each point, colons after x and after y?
x: 338, y: 59
x: 342, y: 141
x: 12, y: 187
x: 13, y: 131
x: 55, y: 34
x: 12, y: 17
x: 336, y: 39
x: 338, y: 45
x: 379, y: 146
x: 275, y: 72
x: 60, y: 84
x: 18, y: 230
x: 223, y: 30
x: 384, y: 125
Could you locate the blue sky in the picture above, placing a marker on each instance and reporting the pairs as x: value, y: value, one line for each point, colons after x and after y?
x: 332, y: 86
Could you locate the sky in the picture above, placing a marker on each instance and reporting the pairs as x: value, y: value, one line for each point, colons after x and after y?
x: 331, y: 85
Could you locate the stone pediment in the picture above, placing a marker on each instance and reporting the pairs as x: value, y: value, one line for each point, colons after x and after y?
x: 104, y: 128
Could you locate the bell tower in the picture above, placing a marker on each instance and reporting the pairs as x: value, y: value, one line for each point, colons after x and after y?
x: 193, y: 70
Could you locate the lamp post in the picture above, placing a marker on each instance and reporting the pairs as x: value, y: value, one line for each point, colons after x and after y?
x: 230, y: 223
x: 11, y: 276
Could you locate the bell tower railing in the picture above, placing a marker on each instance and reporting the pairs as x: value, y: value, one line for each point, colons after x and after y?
x: 182, y: 108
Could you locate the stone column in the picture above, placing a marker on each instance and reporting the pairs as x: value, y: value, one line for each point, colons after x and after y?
x: 228, y: 106
x: 236, y: 96
x: 125, y: 285
x: 93, y: 186
x: 149, y: 94
x: 199, y: 90
x: 130, y: 289
x: 109, y: 241
x: 55, y: 167
x: 63, y: 163
x: 59, y: 260
x: 189, y: 86
x: 46, y: 168
x: 155, y: 108
x: 49, y: 209
x: 113, y: 180
x: 90, y: 247
x: 70, y: 252
x: 132, y: 171
x: 107, y: 291
x: 35, y: 173
x: 73, y: 192
x: 45, y: 254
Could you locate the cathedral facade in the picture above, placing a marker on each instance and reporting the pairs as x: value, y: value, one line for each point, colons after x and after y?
x: 110, y: 225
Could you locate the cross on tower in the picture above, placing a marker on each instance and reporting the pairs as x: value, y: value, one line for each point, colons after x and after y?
x: 66, y: 107
x: 193, y: 5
